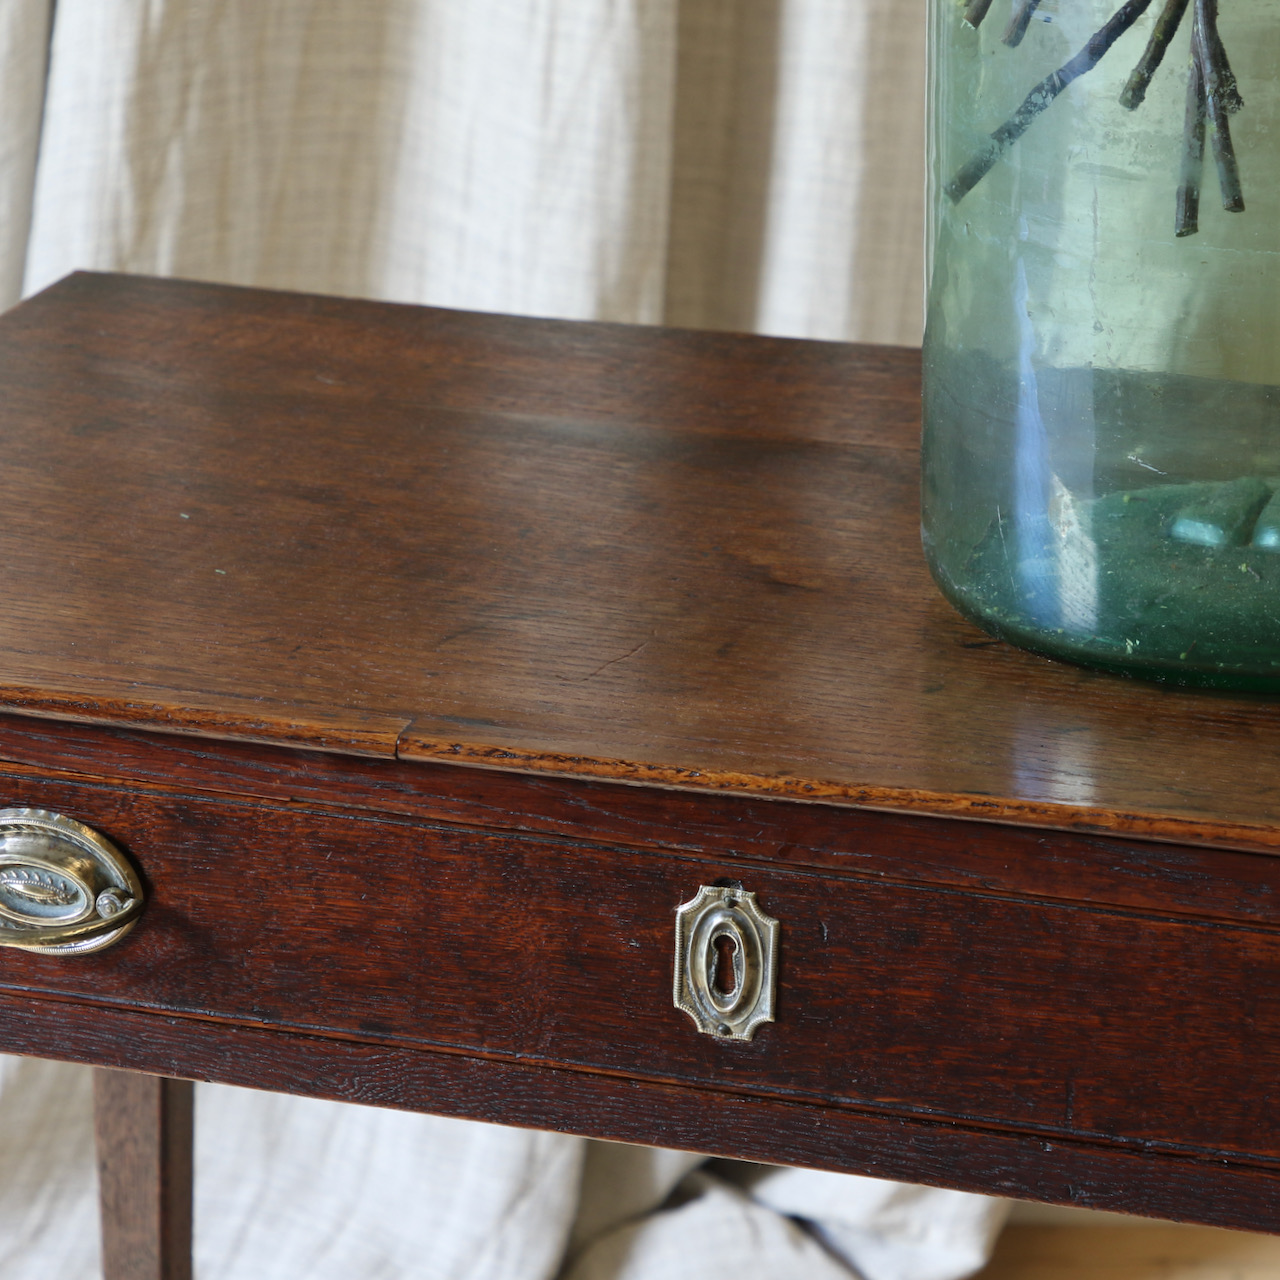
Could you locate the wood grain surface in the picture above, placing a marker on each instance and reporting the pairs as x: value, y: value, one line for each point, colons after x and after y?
x: 589, y: 550
x: 1121, y: 1027
x: 346, y: 621
x: 997, y: 859
x: 1195, y: 1189
x: 144, y: 1131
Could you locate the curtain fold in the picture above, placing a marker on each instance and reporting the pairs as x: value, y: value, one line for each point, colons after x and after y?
x: 493, y: 155
x: 742, y: 164
x: 24, y: 42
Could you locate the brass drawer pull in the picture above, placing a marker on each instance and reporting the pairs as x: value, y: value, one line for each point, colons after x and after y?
x: 63, y: 887
x: 725, y: 958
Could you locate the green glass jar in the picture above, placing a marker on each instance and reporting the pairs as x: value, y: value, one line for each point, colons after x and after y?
x: 1102, y: 346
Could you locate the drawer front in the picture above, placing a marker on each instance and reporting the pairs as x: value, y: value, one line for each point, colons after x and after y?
x: 896, y: 998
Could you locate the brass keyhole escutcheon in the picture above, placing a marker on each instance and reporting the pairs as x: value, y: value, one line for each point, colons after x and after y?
x: 725, y: 959
x: 64, y: 889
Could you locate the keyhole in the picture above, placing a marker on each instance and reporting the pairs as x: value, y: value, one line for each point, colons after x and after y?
x: 726, y: 981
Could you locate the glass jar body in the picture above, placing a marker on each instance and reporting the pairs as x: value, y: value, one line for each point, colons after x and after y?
x: 1102, y: 415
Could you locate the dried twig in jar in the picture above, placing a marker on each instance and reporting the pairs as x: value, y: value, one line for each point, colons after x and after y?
x: 975, y: 11
x: 1162, y: 33
x: 1042, y: 95
x: 1222, y: 98
x: 1187, y: 215
x: 1023, y: 12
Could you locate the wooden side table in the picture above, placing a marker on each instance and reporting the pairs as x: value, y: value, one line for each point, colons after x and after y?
x: 422, y: 664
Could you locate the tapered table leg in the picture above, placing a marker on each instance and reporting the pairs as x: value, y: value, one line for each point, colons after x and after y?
x: 144, y: 1128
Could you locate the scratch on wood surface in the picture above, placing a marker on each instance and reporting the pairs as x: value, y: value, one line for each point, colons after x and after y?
x: 614, y: 661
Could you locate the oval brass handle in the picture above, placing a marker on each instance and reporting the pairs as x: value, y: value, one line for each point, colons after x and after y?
x: 63, y: 887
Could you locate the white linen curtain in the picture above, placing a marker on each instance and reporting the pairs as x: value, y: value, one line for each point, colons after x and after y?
x: 744, y: 164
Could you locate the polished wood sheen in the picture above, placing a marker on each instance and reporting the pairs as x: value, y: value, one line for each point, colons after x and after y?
x: 424, y: 663
x: 144, y: 1132
x: 591, y: 550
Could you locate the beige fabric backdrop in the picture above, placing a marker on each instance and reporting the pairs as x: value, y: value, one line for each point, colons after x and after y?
x: 745, y: 164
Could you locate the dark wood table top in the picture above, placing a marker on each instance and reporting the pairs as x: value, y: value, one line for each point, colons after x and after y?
x: 599, y: 551
x: 345, y: 621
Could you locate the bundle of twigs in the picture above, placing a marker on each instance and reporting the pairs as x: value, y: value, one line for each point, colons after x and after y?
x: 1212, y: 96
